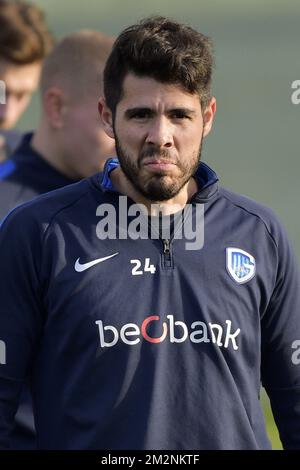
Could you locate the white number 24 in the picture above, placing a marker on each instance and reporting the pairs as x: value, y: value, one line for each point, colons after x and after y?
x: 148, y: 268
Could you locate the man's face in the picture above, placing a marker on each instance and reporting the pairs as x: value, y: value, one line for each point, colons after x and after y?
x: 158, y: 130
x: 86, y: 145
x: 20, y: 82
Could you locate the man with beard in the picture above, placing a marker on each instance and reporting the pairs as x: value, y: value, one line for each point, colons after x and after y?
x: 138, y: 343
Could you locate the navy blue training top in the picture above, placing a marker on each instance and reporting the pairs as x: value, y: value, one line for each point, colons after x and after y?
x: 143, y: 343
x: 10, y: 140
x: 26, y: 175
x: 23, y: 177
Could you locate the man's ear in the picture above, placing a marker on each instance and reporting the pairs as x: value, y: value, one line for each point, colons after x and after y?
x: 106, y: 117
x: 208, y: 116
x: 55, y: 107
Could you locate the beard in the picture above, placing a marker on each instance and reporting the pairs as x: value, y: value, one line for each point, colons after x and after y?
x: 161, y: 185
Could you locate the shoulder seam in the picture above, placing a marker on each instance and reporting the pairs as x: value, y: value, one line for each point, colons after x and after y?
x: 254, y: 214
x: 62, y: 209
x: 51, y: 221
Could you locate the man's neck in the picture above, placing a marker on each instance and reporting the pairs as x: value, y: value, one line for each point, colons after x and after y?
x: 46, y: 146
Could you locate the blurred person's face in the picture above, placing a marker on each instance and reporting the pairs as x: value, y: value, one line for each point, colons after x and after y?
x: 86, y: 146
x: 158, y: 129
x: 20, y: 82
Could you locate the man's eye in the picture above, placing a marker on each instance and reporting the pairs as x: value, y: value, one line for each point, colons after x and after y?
x: 141, y: 115
x: 21, y: 96
x: 179, y: 115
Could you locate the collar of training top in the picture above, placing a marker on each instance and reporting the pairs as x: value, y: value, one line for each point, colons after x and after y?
x: 206, y: 178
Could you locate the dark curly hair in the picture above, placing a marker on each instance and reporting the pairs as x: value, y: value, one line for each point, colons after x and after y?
x: 168, y: 51
x: 24, y: 35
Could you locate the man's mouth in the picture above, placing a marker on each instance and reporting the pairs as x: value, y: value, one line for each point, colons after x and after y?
x: 159, y: 164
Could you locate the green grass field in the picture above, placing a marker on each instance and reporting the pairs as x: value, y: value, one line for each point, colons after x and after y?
x: 271, y: 426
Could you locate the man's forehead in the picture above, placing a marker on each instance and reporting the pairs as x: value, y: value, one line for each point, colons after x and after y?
x: 148, y: 92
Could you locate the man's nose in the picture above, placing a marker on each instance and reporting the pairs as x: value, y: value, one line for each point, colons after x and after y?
x: 160, y: 133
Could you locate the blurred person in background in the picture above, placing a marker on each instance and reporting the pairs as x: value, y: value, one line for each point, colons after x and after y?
x: 68, y: 145
x: 24, y: 43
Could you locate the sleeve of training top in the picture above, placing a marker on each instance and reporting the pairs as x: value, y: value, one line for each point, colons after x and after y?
x: 281, y: 343
x: 20, y: 312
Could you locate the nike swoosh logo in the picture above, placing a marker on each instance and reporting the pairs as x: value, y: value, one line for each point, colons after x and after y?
x: 83, y: 267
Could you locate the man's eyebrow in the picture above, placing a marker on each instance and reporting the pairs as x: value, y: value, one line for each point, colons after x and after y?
x: 186, y: 111
x: 143, y: 109
x: 133, y: 111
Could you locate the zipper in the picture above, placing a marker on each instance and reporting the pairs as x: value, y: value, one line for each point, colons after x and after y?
x: 167, y: 258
